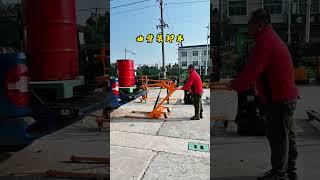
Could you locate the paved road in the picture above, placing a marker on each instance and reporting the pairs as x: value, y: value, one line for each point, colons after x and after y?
x: 158, y: 149
x: 52, y: 152
x: 244, y: 158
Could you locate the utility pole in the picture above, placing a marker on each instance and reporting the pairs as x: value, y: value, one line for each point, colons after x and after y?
x: 207, y: 60
x: 216, y: 60
x: 289, y: 20
x: 97, y: 18
x: 307, y: 38
x: 199, y: 63
x: 162, y: 26
x: 128, y: 51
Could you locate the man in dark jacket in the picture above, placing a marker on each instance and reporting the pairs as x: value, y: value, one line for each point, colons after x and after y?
x: 194, y: 85
x: 270, y: 68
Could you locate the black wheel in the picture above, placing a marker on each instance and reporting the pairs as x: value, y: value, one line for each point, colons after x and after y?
x: 310, y: 118
x: 225, y: 123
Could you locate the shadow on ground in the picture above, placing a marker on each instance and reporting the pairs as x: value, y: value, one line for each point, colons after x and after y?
x: 4, y: 156
x: 236, y: 178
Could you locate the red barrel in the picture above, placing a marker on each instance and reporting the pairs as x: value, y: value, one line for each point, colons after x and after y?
x: 126, y: 73
x: 51, y: 39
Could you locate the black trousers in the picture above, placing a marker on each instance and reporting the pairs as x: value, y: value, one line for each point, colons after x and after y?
x: 281, y: 135
x: 197, y: 104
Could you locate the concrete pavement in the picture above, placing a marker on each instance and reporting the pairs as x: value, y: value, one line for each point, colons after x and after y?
x: 149, y: 149
x: 244, y: 158
x: 52, y: 152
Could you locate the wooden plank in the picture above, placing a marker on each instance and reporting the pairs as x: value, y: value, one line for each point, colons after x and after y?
x: 77, y: 159
x: 78, y: 175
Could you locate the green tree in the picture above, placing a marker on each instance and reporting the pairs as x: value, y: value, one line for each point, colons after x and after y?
x: 113, y: 70
x: 151, y: 71
x: 9, y: 9
x: 173, y: 71
x: 10, y: 26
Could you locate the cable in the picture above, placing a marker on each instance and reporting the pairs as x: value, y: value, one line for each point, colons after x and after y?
x: 137, y: 2
x: 134, y: 9
x: 187, y: 2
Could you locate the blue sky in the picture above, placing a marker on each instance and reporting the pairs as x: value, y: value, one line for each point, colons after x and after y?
x: 83, y: 8
x: 189, y: 19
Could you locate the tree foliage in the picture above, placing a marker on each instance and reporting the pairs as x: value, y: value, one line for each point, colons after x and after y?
x: 113, y: 69
x: 148, y: 70
x: 9, y: 9
x: 173, y: 71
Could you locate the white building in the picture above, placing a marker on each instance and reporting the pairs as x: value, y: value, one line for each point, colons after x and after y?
x: 239, y: 11
x: 195, y: 55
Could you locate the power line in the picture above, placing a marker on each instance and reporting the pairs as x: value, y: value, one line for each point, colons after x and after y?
x: 134, y: 9
x: 129, y: 4
x: 167, y: 4
x: 187, y: 2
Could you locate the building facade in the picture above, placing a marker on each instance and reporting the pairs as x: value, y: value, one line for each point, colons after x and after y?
x: 237, y: 13
x: 195, y: 55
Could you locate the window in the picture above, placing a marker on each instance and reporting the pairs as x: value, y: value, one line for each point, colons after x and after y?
x: 315, y: 6
x: 205, y: 52
x: 195, y: 53
x: 299, y: 7
x: 195, y: 63
x: 237, y: 8
x: 273, y: 6
x: 184, y: 54
x: 184, y: 64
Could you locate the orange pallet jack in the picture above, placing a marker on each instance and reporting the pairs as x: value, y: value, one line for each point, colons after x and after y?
x: 159, y: 110
x: 149, y: 83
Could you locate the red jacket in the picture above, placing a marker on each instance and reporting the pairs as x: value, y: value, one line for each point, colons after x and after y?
x: 194, y: 83
x: 270, y: 67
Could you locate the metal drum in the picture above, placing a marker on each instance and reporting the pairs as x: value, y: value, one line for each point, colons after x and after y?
x: 126, y: 73
x: 51, y: 39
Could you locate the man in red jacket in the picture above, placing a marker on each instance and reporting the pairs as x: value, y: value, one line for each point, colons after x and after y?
x: 270, y: 68
x: 194, y: 84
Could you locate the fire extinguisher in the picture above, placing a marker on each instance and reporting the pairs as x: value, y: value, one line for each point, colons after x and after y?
x: 115, y: 86
x: 17, y: 80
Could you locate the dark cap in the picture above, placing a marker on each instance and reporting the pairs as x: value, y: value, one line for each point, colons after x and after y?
x: 190, y: 66
x: 261, y: 16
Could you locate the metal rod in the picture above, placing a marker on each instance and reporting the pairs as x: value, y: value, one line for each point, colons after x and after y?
x: 207, y: 60
x: 307, y: 38
x: 289, y: 21
x: 162, y: 44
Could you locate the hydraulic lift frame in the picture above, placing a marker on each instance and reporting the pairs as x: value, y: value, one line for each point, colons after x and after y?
x: 158, y: 109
